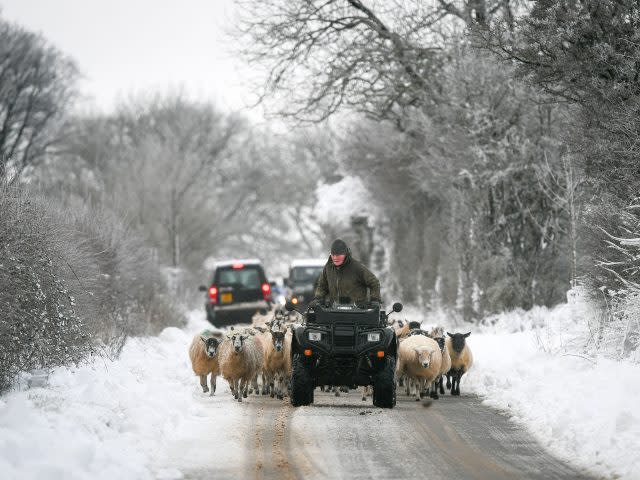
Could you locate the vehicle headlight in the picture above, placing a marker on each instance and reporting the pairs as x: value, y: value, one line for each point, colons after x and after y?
x: 373, y: 337
x: 315, y: 336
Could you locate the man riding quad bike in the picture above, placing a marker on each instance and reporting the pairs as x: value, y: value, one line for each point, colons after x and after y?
x: 344, y: 340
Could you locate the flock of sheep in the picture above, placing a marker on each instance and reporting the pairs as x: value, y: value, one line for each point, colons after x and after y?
x: 424, y: 358
x: 258, y: 358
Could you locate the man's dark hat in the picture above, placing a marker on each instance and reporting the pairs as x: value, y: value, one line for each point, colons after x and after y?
x: 338, y: 247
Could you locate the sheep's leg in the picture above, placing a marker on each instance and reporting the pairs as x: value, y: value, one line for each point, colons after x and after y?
x: 272, y: 385
x: 434, y: 390
x: 449, y: 381
x: 407, y: 389
x: 364, y: 394
x: 265, y: 383
x: 234, y: 388
x: 441, y: 384
x: 213, y: 383
x: 417, y: 389
x: 458, y: 384
x: 455, y: 388
x: 254, y: 384
x: 203, y: 383
x: 242, y: 389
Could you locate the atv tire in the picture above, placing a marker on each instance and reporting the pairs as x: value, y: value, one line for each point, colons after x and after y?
x: 301, y: 383
x: 384, y: 385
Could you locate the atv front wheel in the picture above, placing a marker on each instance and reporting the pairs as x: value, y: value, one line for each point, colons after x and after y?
x: 301, y: 383
x: 384, y: 385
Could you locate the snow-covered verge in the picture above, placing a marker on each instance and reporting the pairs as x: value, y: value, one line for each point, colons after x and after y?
x: 582, y: 407
x: 143, y: 416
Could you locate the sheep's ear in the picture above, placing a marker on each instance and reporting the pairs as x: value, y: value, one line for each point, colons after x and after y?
x: 203, y: 338
x: 261, y: 329
x: 466, y: 334
x: 451, y: 335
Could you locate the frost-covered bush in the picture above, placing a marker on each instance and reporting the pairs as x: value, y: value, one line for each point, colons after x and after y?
x: 73, y: 282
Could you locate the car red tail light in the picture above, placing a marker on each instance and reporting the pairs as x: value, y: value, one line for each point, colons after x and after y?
x: 213, y: 294
x: 266, y: 291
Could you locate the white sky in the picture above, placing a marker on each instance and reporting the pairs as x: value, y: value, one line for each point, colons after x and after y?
x: 142, y: 46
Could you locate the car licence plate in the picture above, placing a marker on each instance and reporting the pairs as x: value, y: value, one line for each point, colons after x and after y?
x: 226, y: 297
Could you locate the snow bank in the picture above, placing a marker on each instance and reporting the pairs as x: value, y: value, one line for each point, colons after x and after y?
x: 582, y: 408
x: 119, y: 419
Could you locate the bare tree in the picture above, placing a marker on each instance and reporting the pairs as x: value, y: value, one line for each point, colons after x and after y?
x: 377, y: 57
x: 37, y: 84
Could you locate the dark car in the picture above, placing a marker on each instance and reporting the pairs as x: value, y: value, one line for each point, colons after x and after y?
x: 344, y: 345
x: 238, y: 289
x: 302, y: 281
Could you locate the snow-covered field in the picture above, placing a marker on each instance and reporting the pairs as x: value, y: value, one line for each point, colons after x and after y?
x: 144, y: 416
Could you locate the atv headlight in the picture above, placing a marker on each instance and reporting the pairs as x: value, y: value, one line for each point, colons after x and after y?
x: 315, y: 336
x: 373, y: 337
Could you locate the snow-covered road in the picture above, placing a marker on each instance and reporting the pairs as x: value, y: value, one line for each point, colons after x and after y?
x: 144, y: 417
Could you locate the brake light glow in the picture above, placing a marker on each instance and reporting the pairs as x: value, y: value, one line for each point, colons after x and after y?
x: 266, y: 291
x: 237, y: 266
x: 213, y: 294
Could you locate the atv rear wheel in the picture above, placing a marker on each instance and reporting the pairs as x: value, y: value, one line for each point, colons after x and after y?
x: 384, y: 385
x: 301, y: 383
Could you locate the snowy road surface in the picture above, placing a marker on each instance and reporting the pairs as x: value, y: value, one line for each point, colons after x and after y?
x: 344, y: 437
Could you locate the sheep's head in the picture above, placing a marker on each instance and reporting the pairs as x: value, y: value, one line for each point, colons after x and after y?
x: 425, y: 356
x: 210, y: 345
x: 278, y: 340
x: 458, y: 340
x: 440, y: 342
x: 238, y: 340
x: 436, y: 332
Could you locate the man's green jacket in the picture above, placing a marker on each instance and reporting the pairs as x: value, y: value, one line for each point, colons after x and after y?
x: 351, y: 279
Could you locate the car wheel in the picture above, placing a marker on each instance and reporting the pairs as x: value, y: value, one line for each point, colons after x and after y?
x: 384, y: 385
x: 301, y: 383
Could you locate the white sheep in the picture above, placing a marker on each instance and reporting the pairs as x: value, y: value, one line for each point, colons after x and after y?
x: 203, y: 353
x: 419, y: 361
x: 461, y: 360
x: 240, y: 361
x: 277, y: 358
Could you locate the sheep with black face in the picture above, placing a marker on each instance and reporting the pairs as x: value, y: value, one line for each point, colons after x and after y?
x: 203, y: 353
x: 461, y: 360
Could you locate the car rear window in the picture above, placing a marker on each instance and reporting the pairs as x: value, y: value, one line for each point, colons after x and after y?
x: 306, y: 274
x: 247, y: 277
